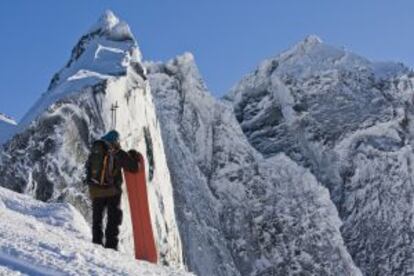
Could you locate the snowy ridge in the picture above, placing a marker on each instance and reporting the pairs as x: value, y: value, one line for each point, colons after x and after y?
x: 238, y: 213
x: 311, y: 59
x: 67, y: 250
x: 45, y: 159
x: 110, y: 25
x: 350, y: 121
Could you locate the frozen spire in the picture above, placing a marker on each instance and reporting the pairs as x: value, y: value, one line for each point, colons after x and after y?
x: 107, y: 21
x: 112, y: 27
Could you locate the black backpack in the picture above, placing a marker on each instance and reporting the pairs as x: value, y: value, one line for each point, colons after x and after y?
x: 98, y: 162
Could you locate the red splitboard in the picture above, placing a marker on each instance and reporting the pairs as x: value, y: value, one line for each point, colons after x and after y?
x: 145, y: 248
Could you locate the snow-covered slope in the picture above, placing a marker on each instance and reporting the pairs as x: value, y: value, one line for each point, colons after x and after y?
x: 46, y: 158
x: 238, y: 213
x: 350, y: 121
x: 54, y: 239
x: 7, y: 128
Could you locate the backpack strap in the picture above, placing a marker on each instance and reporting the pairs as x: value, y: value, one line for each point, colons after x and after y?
x: 105, y: 164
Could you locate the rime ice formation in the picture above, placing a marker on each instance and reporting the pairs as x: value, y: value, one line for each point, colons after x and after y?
x: 238, y: 213
x: 350, y: 121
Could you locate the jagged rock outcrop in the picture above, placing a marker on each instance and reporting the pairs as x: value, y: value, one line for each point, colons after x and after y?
x: 350, y: 121
x: 238, y: 213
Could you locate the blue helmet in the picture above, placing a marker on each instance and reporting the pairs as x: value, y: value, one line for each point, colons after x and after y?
x: 111, y: 137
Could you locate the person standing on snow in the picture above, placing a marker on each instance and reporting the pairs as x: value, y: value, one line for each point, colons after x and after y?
x: 104, y: 178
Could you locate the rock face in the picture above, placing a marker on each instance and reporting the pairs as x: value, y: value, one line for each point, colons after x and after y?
x: 351, y: 122
x: 46, y: 158
x: 238, y: 213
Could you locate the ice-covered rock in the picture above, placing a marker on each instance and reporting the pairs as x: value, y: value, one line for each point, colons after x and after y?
x: 45, y: 159
x: 107, y: 50
x: 238, y: 213
x: 350, y: 121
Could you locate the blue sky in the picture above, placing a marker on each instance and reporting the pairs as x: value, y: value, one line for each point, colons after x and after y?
x: 228, y: 37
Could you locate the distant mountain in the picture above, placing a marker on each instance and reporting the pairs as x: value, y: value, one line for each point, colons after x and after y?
x: 350, y: 121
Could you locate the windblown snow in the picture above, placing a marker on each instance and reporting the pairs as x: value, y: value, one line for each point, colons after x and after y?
x: 39, y: 238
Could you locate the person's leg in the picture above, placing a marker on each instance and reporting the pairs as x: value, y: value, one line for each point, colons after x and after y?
x: 98, y: 207
x: 114, y: 221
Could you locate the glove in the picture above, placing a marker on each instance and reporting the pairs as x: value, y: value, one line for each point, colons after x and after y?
x: 134, y: 154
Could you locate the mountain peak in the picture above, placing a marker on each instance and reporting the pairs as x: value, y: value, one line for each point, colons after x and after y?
x: 109, y: 18
x: 184, y: 63
x: 185, y: 58
x: 110, y: 26
x: 106, y: 21
x: 308, y: 43
x: 106, y: 51
x: 312, y: 39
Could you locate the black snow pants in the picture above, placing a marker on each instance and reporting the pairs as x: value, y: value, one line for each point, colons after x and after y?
x: 114, y: 215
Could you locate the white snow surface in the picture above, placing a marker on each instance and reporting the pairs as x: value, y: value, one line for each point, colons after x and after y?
x: 39, y: 238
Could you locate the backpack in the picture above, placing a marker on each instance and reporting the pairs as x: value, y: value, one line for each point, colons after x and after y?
x: 98, y: 165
